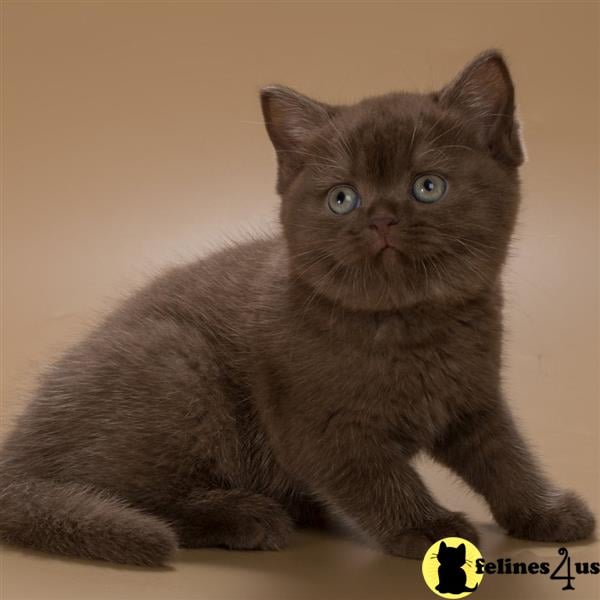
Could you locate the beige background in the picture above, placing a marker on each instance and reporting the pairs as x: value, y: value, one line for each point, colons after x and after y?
x: 132, y: 138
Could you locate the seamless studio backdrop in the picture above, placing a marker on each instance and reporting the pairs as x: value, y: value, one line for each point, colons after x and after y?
x: 132, y: 140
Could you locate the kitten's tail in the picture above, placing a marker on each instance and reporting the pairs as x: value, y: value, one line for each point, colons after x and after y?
x: 468, y: 589
x: 77, y: 520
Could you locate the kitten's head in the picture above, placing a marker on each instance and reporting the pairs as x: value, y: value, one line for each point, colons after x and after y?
x: 452, y: 557
x: 399, y: 198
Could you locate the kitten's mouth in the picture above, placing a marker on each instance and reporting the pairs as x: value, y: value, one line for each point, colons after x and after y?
x: 384, y: 247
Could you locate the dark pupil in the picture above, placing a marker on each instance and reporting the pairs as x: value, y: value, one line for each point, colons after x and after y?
x: 341, y: 196
x: 428, y: 185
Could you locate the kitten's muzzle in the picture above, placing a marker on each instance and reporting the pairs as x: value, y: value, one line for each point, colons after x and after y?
x: 382, y: 225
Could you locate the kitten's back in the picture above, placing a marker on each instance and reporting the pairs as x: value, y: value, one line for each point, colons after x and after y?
x: 134, y: 412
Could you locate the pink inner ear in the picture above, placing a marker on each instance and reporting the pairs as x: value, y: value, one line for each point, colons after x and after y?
x: 483, y: 86
x: 484, y: 90
x: 493, y: 82
x: 483, y: 93
x: 290, y: 116
x: 489, y: 88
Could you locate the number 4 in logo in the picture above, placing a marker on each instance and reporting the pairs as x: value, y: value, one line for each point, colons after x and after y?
x: 568, y: 577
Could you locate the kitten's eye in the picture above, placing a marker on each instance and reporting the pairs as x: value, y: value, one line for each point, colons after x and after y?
x: 429, y: 188
x: 342, y: 199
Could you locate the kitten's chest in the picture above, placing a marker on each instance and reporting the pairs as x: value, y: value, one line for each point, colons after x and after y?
x: 396, y: 378
x: 400, y: 355
x: 402, y: 375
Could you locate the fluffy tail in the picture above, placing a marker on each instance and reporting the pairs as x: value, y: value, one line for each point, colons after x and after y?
x: 77, y: 520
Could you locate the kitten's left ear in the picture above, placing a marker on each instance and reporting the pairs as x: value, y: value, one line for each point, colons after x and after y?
x: 484, y: 93
x: 291, y: 118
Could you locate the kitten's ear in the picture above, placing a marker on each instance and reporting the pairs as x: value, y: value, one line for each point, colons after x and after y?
x: 443, y: 546
x: 291, y: 118
x: 462, y: 550
x: 484, y: 93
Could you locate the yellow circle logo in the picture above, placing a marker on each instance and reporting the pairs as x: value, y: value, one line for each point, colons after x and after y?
x: 449, y: 568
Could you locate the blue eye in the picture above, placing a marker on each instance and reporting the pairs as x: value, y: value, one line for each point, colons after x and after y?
x: 429, y: 188
x: 342, y: 199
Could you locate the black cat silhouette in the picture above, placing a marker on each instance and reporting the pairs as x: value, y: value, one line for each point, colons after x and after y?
x: 451, y: 574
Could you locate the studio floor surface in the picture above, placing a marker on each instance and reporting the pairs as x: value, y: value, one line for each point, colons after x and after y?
x: 316, y: 566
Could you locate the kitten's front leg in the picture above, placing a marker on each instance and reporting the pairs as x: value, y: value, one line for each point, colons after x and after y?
x: 369, y: 481
x: 486, y: 449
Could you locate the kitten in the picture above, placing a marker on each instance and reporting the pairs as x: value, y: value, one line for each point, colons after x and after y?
x: 278, y: 381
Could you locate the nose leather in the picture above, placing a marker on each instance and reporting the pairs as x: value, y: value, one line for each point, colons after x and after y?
x: 382, y: 224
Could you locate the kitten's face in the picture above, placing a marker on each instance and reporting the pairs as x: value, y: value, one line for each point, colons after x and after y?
x: 403, y: 197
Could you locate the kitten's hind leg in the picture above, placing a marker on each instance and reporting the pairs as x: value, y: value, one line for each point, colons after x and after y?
x: 234, y: 519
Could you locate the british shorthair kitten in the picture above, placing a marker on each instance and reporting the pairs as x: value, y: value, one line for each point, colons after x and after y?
x: 278, y: 381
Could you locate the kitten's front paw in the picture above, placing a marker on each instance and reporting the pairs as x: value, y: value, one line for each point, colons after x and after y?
x: 565, y: 519
x: 413, y: 543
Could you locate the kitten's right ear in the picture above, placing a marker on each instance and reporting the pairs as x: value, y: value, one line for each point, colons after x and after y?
x: 291, y: 119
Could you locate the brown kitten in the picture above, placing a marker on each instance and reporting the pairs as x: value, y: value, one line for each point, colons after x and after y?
x: 279, y: 380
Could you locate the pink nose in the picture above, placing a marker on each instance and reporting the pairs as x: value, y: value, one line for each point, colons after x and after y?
x: 382, y: 224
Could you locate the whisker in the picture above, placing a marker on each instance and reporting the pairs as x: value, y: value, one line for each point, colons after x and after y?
x: 441, y: 148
